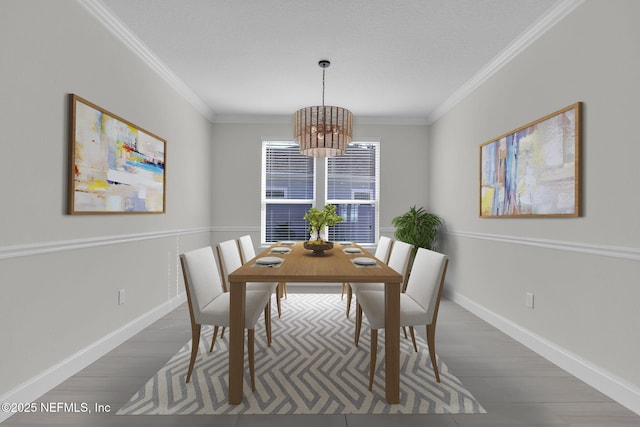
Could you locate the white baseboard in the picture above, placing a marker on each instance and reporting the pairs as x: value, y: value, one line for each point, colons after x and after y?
x: 45, y: 381
x: 616, y: 388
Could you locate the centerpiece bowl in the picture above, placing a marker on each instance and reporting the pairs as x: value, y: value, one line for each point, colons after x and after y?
x: 318, y: 246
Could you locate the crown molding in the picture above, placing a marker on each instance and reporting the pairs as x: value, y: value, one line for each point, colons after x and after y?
x: 106, y: 17
x: 288, y: 119
x: 391, y: 120
x: 279, y: 119
x: 531, y: 34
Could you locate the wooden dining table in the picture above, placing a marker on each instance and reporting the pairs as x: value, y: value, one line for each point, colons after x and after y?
x: 302, y: 265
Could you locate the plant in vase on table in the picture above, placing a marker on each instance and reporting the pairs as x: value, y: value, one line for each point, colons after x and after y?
x: 318, y: 220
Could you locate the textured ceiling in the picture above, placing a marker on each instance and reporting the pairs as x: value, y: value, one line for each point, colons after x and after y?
x: 397, y: 60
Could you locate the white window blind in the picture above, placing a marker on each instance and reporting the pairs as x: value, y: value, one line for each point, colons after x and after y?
x: 288, y: 191
x: 352, y: 184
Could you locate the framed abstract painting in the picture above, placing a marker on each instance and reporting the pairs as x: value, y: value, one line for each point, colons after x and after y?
x: 116, y: 167
x: 534, y: 171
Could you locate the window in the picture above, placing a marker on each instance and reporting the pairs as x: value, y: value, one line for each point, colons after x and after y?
x: 289, y: 190
x: 353, y: 186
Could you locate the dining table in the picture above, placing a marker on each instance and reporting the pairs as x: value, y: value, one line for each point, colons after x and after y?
x: 341, y: 264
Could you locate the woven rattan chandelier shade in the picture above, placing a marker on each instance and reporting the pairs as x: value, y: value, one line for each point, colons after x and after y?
x: 323, y: 130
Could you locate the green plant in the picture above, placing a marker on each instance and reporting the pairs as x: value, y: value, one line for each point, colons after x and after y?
x: 318, y: 219
x: 418, y: 227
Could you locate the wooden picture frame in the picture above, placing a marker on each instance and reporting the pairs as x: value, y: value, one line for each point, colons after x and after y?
x: 115, y: 167
x: 534, y: 171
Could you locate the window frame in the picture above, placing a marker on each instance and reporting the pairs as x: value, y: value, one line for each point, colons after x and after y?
x: 353, y: 201
x: 264, y: 201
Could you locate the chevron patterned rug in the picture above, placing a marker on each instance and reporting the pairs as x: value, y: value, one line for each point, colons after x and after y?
x: 312, y: 367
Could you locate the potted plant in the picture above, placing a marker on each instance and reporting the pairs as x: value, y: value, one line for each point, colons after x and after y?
x: 418, y: 227
x: 318, y: 219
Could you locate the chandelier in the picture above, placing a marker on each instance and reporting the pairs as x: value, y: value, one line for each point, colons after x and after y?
x: 323, y: 130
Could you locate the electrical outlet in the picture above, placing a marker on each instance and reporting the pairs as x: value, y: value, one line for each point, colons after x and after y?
x: 529, y: 300
x: 121, y: 297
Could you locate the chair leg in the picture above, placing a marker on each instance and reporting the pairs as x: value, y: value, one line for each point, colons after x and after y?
x: 250, y: 349
x: 222, y: 333
x: 282, y: 289
x: 358, y: 322
x: 279, y: 306
x: 195, y: 342
x: 413, y: 339
x: 349, y: 297
x: 213, y: 340
x: 270, y: 325
x: 374, y: 354
x: 344, y: 285
x: 267, y: 322
x: 431, y: 341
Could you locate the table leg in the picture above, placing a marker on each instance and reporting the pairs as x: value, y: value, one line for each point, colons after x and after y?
x: 392, y: 341
x: 236, y: 342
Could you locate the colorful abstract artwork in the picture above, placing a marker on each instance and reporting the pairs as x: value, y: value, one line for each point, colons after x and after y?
x: 116, y: 167
x: 534, y: 170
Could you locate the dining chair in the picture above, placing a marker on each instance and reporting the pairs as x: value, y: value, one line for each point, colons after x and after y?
x: 209, y: 303
x: 248, y: 252
x: 400, y: 259
x: 382, y: 253
x: 419, y: 304
x: 230, y: 260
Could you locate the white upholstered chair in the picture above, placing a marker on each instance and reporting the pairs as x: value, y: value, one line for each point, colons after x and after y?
x: 382, y: 253
x: 419, y: 304
x: 248, y: 252
x: 384, y: 248
x: 399, y: 259
x: 209, y: 304
x: 230, y: 260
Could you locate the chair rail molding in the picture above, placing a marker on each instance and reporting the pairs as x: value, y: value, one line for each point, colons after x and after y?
x: 623, y: 252
x: 30, y: 249
x: 235, y: 229
x: 387, y: 230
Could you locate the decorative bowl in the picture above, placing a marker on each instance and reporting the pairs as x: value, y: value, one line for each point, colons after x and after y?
x: 318, y: 248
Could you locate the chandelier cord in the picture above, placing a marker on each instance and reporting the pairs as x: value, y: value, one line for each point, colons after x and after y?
x: 323, y: 70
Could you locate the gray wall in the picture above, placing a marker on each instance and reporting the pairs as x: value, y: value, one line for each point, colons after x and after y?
x: 584, y: 272
x: 60, y: 274
x: 57, y: 300
x: 236, y: 169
